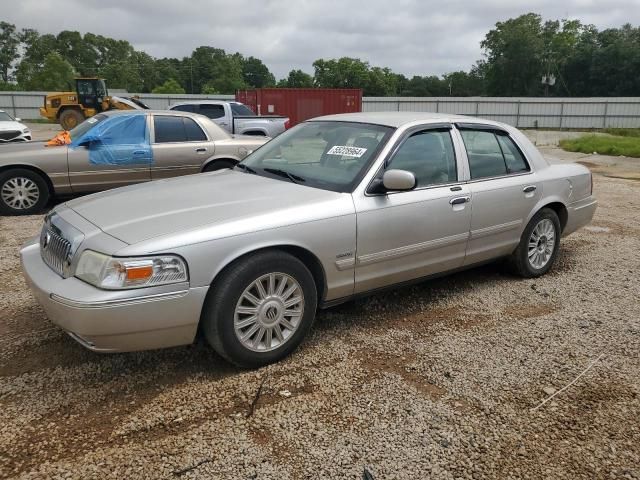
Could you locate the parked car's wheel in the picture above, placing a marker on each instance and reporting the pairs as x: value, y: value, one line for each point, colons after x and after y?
x: 22, y: 192
x: 538, y: 246
x: 219, y: 165
x: 260, y: 309
x: 71, y: 118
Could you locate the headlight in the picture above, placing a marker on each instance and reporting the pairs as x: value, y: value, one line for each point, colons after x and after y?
x: 112, y: 273
x: 25, y: 130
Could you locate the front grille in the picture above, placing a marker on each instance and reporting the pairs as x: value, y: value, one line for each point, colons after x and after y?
x: 9, y: 134
x: 55, y: 251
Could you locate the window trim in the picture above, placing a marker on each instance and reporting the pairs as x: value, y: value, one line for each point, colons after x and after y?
x: 496, y: 130
x: 405, y: 136
x: 153, y: 132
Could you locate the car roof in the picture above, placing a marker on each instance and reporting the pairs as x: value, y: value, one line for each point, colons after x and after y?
x: 398, y: 119
x: 147, y: 112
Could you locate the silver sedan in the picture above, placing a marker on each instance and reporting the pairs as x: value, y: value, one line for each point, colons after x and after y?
x: 334, y: 208
x: 114, y: 149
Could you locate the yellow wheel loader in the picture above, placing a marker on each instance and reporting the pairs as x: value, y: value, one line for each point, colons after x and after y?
x: 91, y: 97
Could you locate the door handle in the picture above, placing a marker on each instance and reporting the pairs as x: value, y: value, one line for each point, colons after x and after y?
x: 201, y: 150
x: 459, y: 200
x: 456, y: 188
x: 139, y: 152
x: 529, y: 189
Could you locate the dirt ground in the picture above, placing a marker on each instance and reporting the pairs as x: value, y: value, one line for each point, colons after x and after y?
x: 439, y: 380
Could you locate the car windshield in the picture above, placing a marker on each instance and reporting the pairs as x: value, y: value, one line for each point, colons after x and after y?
x: 240, y: 109
x: 5, y: 117
x: 328, y: 155
x: 85, y: 126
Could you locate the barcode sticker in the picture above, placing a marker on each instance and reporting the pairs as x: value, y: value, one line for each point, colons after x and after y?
x: 346, y: 151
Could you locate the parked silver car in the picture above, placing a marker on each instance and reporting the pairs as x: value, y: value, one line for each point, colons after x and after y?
x: 113, y: 149
x: 12, y: 129
x: 335, y: 207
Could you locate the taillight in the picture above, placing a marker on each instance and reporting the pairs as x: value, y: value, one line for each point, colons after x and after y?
x: 287, y: 124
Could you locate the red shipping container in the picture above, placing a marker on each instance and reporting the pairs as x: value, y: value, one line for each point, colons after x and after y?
x: 300, y: 104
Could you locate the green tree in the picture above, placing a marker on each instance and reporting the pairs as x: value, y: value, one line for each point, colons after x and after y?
x: 56, y: 74
x: 255, y: 73
x: 342, y: 73
x: 170, y: 86
x: 297, y: 79
x: 212, y: 66
x: 514, y: 51
x: 9, y: 43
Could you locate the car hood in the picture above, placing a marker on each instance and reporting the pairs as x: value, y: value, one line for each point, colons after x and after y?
x: 12, y: 126
x: 230, y: 201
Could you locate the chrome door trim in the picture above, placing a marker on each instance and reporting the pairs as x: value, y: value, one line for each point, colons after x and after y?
x: 411, y: 249
x: 503, y: 227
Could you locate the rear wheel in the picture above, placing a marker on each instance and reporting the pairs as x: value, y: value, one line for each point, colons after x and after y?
x: 260, y: 309
x: 71, y: 118
x: 539, y: 244
x: 22, y: 192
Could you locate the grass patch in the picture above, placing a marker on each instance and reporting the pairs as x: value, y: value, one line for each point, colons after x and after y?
x: 623, y: 132
x: 603, y: 145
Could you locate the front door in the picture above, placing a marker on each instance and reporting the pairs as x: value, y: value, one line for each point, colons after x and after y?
x: 180, y: 146
x: 118, y: 154
x: 407, y: 235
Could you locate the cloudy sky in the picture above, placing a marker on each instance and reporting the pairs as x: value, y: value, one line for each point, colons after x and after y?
x: 414, y: 37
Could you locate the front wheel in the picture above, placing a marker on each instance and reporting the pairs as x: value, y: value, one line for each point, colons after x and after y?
x: 22, y: 192
x: 260, y: 309
x: 539, y: 244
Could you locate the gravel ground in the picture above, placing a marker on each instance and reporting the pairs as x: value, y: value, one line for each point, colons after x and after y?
x: 435, y: 381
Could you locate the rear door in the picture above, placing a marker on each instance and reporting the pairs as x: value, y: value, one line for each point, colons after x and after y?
x: 503, y: 188
x: 180, y: 146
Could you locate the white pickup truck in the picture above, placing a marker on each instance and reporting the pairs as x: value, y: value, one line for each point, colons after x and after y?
x: 236, y: 117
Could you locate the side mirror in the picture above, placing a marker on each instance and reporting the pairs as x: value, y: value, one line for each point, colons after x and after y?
x: 398, y: 180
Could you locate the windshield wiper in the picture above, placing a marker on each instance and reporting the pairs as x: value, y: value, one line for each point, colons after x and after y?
x: 246, y: 168
x: 283, y: 173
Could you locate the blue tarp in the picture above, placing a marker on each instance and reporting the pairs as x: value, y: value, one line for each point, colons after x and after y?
x: 118, y: 140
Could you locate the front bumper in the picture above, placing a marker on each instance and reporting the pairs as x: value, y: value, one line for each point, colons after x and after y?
x: 580, y: 214
x: 114, y: 321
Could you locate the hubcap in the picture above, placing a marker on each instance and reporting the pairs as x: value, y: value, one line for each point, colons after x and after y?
x: 268, y: 312
x: 541, y: 243
x: 20, y: 193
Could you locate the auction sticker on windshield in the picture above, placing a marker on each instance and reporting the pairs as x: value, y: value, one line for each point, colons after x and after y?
x: 346, y: 151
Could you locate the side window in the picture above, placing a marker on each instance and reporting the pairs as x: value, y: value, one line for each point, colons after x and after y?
x: 169, y: 129
x: 484, y: 153
x: 184, y: 108
x: 211, y: 111
x: 429, y: 155
x: 194, y: 132
x: 512, y: 156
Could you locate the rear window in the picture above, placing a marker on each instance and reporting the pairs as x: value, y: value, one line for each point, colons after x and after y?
x: 240, y: 109
x: 491, y: 154
x: 177, y: 129
x: 211, y: 110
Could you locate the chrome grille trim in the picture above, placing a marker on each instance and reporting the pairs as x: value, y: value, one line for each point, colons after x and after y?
x: 59, y: 242
x: 55, y: 251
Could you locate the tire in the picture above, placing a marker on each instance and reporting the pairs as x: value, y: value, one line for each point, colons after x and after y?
x: 71, y: 118
x: 219, y: 165
x: 22, y: 192
x: 227, y: 313
x: 532, y: 257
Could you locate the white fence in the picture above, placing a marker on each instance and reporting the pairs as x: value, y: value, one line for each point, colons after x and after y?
x: 524, y: 112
